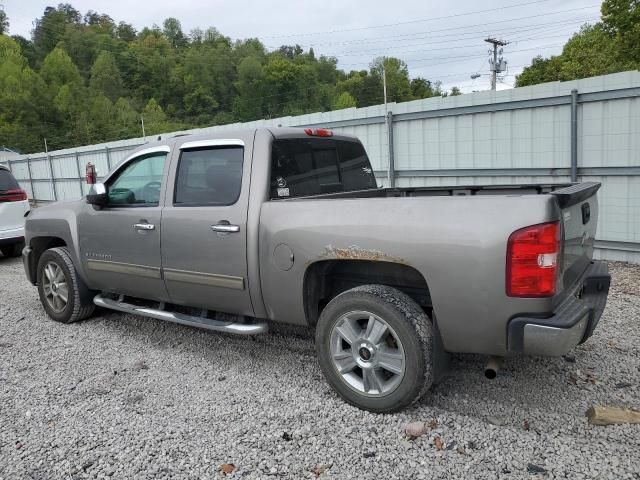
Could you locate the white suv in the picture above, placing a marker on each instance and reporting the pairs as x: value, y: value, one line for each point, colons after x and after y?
x: 14, y: 206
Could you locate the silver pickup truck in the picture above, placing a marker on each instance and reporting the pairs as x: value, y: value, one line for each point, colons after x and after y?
x: 231, y: 231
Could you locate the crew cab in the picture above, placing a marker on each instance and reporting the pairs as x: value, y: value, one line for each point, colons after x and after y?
x: 14, y: 206
x: 234, y: 230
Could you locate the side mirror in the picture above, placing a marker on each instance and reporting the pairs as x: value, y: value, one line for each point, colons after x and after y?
x: 97, y: 195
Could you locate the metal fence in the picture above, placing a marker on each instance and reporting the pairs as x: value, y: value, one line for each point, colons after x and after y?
x: 584, y: 130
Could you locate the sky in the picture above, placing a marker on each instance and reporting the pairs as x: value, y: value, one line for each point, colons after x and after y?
x: 438, y: 40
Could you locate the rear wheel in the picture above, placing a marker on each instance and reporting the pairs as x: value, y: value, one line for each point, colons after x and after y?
x: 63, y: 294
x: 375, y: 347
x: 14, y: 250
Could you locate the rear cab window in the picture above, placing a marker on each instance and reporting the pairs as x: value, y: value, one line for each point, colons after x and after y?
x: 302, y: 167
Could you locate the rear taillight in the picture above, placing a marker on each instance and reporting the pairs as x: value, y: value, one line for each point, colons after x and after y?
x: 532, y: 260
x: 14, y: 195
x: 318, y: 132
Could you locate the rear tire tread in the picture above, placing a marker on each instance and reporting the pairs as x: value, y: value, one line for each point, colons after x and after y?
x: 420, y: 326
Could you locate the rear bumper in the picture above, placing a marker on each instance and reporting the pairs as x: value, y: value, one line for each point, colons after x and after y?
x: 12, y: 235
x: 572, y: 322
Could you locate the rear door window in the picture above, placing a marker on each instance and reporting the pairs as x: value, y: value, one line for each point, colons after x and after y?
x: 7, y: 182
x: 209, y: 176
x: 303, y: 167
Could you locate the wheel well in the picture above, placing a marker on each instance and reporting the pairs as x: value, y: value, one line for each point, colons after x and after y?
x: 325, y: 280
x: 38, y: 246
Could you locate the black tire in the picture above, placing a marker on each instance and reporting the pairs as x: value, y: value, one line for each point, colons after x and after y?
x: 14, y: 250
x: 79, y: 299
x: 410, y: 325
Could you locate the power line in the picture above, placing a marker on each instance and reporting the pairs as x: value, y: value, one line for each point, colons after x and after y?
x: 470, y: 56
x: 422, y: 20
x: 378, y: 39
x: 473, y: 35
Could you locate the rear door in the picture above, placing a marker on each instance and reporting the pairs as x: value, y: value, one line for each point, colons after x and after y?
x: 204, y: 227
x: 120, y: 243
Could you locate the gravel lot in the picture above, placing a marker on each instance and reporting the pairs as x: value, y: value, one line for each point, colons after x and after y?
x: 127, y: 397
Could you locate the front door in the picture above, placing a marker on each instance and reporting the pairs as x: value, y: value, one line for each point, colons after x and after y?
x: 204, y: 227
x: 120, y: 243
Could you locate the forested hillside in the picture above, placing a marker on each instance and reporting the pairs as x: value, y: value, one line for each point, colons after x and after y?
x: 83, y: 79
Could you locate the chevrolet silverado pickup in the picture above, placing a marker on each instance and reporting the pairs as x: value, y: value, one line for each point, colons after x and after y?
x: 231, y: 231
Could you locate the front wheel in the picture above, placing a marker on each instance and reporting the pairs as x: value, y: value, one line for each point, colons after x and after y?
x: 375, y: 348
x: 63, y: 294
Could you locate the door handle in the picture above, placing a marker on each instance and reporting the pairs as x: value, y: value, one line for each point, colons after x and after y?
x: 225, y: 228
x: 144, y: 226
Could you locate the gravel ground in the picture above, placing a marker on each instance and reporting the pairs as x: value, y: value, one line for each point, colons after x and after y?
x: 127, y: 397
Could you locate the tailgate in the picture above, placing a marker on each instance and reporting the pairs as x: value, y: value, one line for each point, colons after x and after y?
x: 579, y: 206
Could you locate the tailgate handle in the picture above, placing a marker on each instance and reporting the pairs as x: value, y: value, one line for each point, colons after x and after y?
x: 586, y: 213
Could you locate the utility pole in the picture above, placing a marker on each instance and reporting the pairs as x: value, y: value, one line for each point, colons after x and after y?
x: 384, y: 86
x: 388, y: 121
x: 498, y: 65
x: 144, y: 137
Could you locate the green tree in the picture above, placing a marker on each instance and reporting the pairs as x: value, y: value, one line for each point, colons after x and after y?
x: 590, y: 52
x: 100, y: 22
x: 455, y: 91
x: 51, y: 27
x: 155, y: 120
x: 58, y: 69
x: 22, y: 100
x: 609, y: 46
x: 4, y: 23
x: 105, y: 76
x: 621, y: 20
x: 397, y: 74
x: 126, y: 120
x: 248, y: 104
x: 102, y: 117
x: 200, y: 105
x: 344, y: 100
x: 173, y: 31
x: 126, y: 32
x: 151, y: 59
x: 422, y: 88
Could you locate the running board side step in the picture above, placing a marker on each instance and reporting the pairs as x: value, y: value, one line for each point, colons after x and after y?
x: 176, y: 317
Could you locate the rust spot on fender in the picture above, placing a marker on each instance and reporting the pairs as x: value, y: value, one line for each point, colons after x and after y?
x: 354, y: 252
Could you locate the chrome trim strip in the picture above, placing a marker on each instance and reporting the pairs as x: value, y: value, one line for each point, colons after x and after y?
x: 218, y: 142
x: 210, y: 279
x: 201, y: 322
x: 146, y: 151
x: 127, y: 268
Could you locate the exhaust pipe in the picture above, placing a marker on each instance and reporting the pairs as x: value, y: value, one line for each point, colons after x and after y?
x: 492, y: 367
